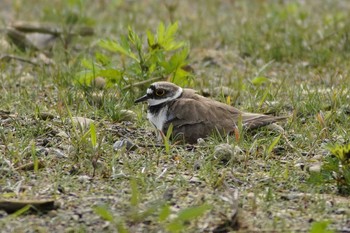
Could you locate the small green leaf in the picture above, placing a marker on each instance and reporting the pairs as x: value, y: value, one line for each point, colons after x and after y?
x: 121, y: 227
x: 167, y: 138
x: 273, y: 144
x: 341, y: 152
x: 134, y: 38
x: 160, y: 33
x: 109, y: 73
x: 85, y: 78
x: 87, y: 64
x: 192, y: 212
x: 263, y: 98
x: 150, y: 39
x: 103, y: 212
x: 164, y: 213
x: 102, y: 59
x: 93, y: 135
x: 171, y: 30
x: 169, y: 131
x: 35, y: 158
x: 135, y: 195
x: 320, y: 227
x: 20, y: 211
x: 175, y: 226
x: 286, y: 173
x: 258, y: 81
x: 116, y: 47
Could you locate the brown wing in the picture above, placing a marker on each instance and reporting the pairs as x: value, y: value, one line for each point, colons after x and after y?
x: 195, y: 119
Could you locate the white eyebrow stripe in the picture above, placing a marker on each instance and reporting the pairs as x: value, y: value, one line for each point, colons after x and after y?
x: 153, y: 102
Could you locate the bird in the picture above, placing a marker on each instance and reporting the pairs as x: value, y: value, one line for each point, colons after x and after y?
x: 194, y: 116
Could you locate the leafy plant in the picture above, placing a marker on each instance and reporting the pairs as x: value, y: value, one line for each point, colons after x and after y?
x: 320, y: 227
x: 137, y: 61
x: 166, y: 138
x: 336, y: 168
x: 339, y: 166
x: 272, y: 146
x: 106, y: 214
x: 161, y: 209
x: 186, y: 215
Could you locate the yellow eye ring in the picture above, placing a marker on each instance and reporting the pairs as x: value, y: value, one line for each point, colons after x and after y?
x: 160, y: 92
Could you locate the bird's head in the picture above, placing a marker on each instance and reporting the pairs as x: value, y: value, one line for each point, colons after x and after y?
x: 160, y: 92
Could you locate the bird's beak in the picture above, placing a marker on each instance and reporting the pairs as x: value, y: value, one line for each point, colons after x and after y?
x: 142, y: 99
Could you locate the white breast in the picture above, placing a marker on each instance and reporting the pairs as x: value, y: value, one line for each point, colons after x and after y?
x: 159, y: 119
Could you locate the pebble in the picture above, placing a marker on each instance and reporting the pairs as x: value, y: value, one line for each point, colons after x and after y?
x: 27, y: 78
x: 84, y: 178
x: 300, y: 165
x: 58, y: 153
x: 251, y: 195
x: 4, y: 45
x: 315, y: 167
x: 201, y: 142
x: 125, y: 143
x: 3, y: 213
x: 99, y: 82
x: 317, y: 157
x: 62, y: 134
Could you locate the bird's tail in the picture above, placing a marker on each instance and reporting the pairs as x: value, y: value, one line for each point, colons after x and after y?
x: 253, y: 121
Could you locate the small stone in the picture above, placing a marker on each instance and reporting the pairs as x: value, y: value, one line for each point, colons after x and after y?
x: 168, y: 194
x: 317, y: 157
x: 201, y: 142
x: 84, y: 178
x: 315, y: 167
x: 42, y: 151
x: 99, y: 82
x: 250, y: 195
x: 300, y: 165
x: 125, y: 143
x: 27, y: 78
x: 197, y: 165
x: 41, y: 41
x: 4, y: 45
x: 3, y: 213
x: 52, y: 213
x: 58, y: 153
x: 341, y: 211
x: 62, y: 134
x: 45, y: 59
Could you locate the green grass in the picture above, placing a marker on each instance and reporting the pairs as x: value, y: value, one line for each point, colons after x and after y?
x: 285, y: 58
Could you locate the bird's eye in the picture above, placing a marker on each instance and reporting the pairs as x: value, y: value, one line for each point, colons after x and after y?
x: 160, y: 92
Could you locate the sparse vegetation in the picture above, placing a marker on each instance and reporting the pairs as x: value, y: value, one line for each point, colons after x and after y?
x: 63, y: 107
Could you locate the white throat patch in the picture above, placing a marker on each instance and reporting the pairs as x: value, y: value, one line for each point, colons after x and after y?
x: 158, y: 120
x: 153, y: 102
